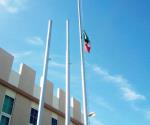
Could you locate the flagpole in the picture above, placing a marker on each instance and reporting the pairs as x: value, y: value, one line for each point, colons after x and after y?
x: 67, y: 121
x: 44, y: 75
x: 82, y: 68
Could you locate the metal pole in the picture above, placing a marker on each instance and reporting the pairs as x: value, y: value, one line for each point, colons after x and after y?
x: 67, y: 122
x: 44, y: 75
x: 82, y: 68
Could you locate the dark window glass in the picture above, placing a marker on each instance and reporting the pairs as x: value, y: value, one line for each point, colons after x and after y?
x: 54, y: 121
x: 33, y: 116
x: 4, y: 120
x: 8, y: 105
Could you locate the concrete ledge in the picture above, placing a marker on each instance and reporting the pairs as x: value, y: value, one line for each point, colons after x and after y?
x: 27, y: 78
x: 62, y: 97
x: 76, y: 109
x: 49, y: 93
x: 6, y: 61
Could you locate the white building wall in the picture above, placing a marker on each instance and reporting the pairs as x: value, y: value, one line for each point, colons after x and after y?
x: 55, y: 102
x: 36, y: 91
x: 14, y: 78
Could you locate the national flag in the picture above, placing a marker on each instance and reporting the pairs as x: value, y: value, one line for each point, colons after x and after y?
x: 87, y: 47
x: 86, y: 42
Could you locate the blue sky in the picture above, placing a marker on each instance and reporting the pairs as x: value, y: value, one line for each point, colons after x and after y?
x: 117, y: 69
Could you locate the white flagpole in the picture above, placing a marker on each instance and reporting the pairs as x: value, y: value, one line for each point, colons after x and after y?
x: 67, y: 122
x: 44, y: 75
x: 82, y: 68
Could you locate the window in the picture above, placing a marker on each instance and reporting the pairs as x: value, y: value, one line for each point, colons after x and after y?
x: 6, y: 110
x: 8, y: 105
x: 54, y: 121
x: 4, y: 120
x: 33, y: 116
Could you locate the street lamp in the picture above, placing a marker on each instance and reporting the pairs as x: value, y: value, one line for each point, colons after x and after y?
x: 92, y: 114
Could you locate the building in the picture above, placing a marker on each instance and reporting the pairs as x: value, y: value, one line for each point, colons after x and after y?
x: 19, y: 97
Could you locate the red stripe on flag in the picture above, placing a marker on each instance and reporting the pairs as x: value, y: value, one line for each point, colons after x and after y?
x: 87, y: 47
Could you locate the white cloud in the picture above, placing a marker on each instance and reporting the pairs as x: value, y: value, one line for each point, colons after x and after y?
x: 12, y: 6
x: 56, y: 64
x: 131, y: 95
x: 22, y: 54
x: 128, y: 93
x: 100, y: 102
x: 35, y: 40
x: 144, y: 111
